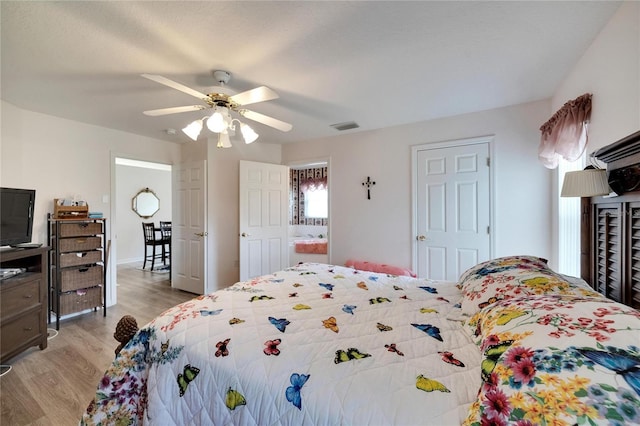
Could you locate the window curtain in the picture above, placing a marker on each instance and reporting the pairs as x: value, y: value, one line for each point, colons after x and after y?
x: 301, y: 181
x: 565, y: 134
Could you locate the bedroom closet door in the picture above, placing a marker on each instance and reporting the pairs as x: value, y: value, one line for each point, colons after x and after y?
x: 264, y: 218
x: 452, y: 211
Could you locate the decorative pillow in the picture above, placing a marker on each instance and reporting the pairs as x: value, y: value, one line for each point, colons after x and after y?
x: 379, y: 267
x: 502, y: 264
x: 508, y: 277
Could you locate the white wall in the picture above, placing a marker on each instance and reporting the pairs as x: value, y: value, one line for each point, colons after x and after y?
x: 62, y: 158
x: 129, y: 181
x: 610, y: 70
x: 223, y: 169
x: 380, y: 229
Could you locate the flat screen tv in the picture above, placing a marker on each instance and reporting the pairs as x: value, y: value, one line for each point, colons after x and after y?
x: 16, y: 215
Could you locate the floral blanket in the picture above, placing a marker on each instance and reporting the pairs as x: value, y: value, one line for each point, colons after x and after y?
x: 313, y: 344
x: 558, y: 360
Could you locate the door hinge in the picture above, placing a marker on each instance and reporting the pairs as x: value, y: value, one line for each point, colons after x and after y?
x: 488, y: 162
x: 488, y: 230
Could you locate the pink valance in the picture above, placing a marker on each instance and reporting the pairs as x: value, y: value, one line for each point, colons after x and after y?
x: 313, y: 183
x: 566, y: 133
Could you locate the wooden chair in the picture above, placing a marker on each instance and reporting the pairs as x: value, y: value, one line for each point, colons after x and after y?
x: 165, y: 232
x: 150, y: 240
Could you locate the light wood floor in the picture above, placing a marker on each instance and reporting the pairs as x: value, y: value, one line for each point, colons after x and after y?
x: 54, y: 386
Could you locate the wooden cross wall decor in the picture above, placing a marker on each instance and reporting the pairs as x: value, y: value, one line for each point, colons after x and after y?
x: 368, y: 183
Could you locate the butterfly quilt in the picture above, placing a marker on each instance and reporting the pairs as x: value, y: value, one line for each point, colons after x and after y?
x: 312, y: 344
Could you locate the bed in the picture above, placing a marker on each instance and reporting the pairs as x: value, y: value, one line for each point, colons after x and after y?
x: 512, y: 342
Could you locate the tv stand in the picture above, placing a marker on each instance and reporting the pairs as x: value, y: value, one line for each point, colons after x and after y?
x: 23, y: 301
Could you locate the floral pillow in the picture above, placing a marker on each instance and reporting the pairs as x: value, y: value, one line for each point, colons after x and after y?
x: 508, y: 277
x: 501, y: 264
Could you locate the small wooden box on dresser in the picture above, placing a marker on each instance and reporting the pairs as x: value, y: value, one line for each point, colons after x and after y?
x: 77, y: 266
x: 23, y: 301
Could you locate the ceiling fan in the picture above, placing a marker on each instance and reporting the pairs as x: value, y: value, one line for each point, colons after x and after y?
x: 221, y: 120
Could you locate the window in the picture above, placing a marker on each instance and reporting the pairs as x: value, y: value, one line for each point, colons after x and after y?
x: 316, y: 203
x: 568, y: 223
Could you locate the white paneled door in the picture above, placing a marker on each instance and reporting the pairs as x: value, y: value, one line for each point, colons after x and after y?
x: 452, y: 215
x: 188, y: 228
x: 264, y: 218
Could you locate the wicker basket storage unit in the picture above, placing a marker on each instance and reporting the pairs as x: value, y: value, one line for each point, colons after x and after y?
x: 77, y: 263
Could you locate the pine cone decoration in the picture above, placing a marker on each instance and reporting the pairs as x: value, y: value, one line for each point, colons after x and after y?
x: 126, y: 328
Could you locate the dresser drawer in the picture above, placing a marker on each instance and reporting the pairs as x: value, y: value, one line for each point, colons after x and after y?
x: 80, y: 229
x: 80, y: 244
x: 82, y: 277
x: 19, y: 298
x: 15, y: 333
x: 80, y: 258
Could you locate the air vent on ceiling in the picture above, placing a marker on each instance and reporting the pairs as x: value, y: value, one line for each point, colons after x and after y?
x: 347, y: 125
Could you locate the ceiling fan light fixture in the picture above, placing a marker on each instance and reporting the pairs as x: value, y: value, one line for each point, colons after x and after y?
x: 248, y: 134
x: 193, y: 129
x: 221, y: 121
x: 223, y: 140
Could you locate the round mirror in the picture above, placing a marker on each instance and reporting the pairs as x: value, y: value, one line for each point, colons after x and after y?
x: 145, y: 203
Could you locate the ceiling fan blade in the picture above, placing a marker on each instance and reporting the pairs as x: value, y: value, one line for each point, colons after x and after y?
x: 163, y: 80
x: 259, y: 94
x: 173, y: 110
x: 264, y: 119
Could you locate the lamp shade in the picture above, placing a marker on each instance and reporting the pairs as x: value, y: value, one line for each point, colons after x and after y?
x: 223, y: 140
x: 219, y: 120
x: 248, y: 133
x: 193, y: 129
x: 585, y: 183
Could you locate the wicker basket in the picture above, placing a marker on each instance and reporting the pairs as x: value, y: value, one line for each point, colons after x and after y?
x: 80, y: 244
x: 80, y: 258
x: 83, y: 277
x: 80, y: 229
x: 79, y: 300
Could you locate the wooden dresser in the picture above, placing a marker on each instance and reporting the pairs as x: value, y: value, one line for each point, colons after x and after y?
x: 23, y: 302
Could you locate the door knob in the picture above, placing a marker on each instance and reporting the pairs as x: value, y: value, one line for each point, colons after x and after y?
x: 421, y: 238
x: 244, y: 234
x: 200, y: 234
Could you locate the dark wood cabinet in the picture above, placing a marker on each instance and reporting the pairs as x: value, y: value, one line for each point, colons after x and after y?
x: 611, y: 226
x: 23, y: 301
x: 613, y: 266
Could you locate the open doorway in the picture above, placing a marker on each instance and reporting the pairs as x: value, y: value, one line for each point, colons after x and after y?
x: 131, y: 177
x: 309, y: 212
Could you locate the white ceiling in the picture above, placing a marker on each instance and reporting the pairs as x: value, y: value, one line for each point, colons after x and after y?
x: 379, y: 63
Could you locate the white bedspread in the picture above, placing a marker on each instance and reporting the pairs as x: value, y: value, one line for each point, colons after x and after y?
x: 314, y: 344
